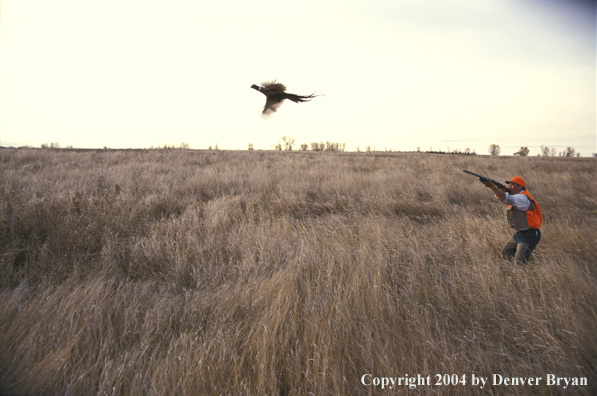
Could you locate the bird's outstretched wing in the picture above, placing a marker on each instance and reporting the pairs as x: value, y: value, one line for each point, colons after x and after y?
x: 271, y: 106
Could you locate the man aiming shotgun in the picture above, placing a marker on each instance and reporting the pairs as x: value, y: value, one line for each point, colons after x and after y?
x: 523, y: 214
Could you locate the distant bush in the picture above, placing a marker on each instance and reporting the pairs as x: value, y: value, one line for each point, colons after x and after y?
x: 494, y: 149
x: 523, y: 152
x: 568, y: 152
x: 288, y: 143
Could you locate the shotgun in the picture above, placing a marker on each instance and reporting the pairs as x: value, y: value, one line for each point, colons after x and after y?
x: 483, y: 178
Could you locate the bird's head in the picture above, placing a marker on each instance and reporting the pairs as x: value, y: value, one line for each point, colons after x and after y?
x: 257, y: 87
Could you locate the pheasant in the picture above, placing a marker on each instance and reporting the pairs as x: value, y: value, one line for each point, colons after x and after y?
x: 275, y: 93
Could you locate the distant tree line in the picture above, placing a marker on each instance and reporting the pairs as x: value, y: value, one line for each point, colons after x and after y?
x: 545, y: 151
x: 50, y: 145
x: 171, y: 146
x: 288, y: 144
x: 327, y: 146
x: 467, y: 151
x: 552, y: 152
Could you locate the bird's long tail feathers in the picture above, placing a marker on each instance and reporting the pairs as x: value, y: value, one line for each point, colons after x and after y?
x: 300, y: 98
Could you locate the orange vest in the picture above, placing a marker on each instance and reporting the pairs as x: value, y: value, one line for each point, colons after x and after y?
x: 531, y: 218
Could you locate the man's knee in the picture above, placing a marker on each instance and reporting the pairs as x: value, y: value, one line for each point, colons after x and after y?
x: 523, y: 253
x: 508, y: 253
x: 509, y: 249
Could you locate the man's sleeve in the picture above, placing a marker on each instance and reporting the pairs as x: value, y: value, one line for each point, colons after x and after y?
x: 519, y: 201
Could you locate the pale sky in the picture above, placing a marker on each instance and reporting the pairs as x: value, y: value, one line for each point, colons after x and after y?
x: 397, y: 74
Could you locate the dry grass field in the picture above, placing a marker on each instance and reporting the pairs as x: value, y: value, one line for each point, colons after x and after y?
x: 179, y: 272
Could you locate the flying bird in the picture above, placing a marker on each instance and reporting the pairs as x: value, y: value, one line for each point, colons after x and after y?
x: 275, y: 93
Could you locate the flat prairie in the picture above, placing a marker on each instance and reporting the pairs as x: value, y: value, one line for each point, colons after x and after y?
x: 182, y: 272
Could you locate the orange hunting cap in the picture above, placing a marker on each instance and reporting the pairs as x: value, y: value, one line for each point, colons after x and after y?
x: 518, y: 180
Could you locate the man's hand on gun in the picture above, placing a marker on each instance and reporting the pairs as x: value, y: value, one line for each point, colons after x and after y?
x: 487, y: 183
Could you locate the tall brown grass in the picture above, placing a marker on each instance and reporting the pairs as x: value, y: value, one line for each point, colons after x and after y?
x: 177, y: 272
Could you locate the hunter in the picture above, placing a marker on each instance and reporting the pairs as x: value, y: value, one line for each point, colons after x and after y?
x: 523, y: 214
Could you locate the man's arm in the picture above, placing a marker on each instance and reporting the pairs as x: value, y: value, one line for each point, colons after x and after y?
x: 499, y: 193
x: 520, y: 201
